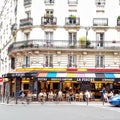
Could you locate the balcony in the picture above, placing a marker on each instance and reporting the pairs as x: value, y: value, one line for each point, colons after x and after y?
x: 49, y: 21
x: 72, y: 2
x: 100, y: 3
x: 72, y: 22
x: 100, y: 23
x: 26, y: 22
x: 27, y: 2
x: 13, y: 28
x: 49, y: 1
x: 63, y: 45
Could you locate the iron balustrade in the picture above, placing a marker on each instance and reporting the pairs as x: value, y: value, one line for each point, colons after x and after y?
x: 48, y: 20
x: 72, y: 21
x: 100, y: 21
x: 49, y: 1
x: 63, y: 44
x: 72, y: 2
x: 27, y: 2
x: 26, y: 22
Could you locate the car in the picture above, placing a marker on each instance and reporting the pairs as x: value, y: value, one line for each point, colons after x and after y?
x: 115, y: 100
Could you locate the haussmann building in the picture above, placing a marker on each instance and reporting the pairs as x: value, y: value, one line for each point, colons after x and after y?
x: 60, y: 45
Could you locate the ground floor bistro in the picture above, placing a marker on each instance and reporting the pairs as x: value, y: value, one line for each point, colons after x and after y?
x: 36, y: 81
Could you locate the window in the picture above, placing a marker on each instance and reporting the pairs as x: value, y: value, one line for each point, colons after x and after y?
x: 99, y: 61
x: 26, y: 61
x: 26, y: 36
x: 12, y: 63
x: 28, y: 14
x: 100, y: 39
x: 72, y: 38
x: 48, y: 39
x: 100, y: 2
x: 71, y: 61
x: 49, y: 12
x: 48, y: 61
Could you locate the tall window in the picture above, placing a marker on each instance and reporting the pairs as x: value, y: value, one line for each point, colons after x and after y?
x: 12, y: 63
x: 49, y: 12
x: 100, y: 61
x: 26, y: 61
x: 26, y: 36
x: 100, y: 39
x: 48, y: 38
x: 28, y: 14
x: 48, y: 61
x: 72, y: 38
x: 72, y: 61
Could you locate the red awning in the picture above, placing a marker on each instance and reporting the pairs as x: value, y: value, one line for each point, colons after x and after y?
x: 42, y: 74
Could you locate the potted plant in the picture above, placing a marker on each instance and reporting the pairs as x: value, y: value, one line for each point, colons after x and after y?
x: 82, y: 41
x: 118, y: 20
x: 72, y: 17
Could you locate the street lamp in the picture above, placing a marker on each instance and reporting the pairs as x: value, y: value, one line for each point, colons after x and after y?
x: 87, y: 29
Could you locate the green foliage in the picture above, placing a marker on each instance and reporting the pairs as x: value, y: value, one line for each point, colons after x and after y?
x: 118, y: 18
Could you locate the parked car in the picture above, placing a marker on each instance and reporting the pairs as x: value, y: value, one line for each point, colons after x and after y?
x: 115, y: 100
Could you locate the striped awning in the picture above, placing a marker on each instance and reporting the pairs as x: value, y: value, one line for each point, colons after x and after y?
x: 78, y: 75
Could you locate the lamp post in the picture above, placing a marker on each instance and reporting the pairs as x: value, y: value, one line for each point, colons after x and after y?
x: 87, y: 29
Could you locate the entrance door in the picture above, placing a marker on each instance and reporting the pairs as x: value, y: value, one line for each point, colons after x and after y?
x: 85, y: 85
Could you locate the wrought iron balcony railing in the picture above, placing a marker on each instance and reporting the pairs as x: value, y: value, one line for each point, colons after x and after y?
x: 27, y: 2
x: 100, y: 21
x: 48, y: 20
x: 63, y: 44
x: 72, y: 2
x: 26, y: 22
x: 72, y: 21
x: 49, y: 1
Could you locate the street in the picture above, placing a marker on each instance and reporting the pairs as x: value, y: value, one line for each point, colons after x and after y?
x: 58, y: 111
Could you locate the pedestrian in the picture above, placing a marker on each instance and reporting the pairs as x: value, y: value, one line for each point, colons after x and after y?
x: 104, y: 94
x: 87, y: 95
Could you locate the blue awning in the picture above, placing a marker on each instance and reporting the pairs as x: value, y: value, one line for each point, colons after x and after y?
x: 51, y: 74
x: 109, y: 75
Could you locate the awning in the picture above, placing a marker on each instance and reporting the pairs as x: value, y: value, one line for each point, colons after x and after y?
x: 99, y: 75
x: 61, y: 75
x: 80, y: 75
x: 117, y: 75
x: 42, y: 74
x: 51, y: 74
x: 20, y: 74
x: 71, y: 75
x: 90, y: 75
x: 109, y: 75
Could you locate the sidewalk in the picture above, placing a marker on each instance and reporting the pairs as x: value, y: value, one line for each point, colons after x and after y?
x: 98, y: 103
